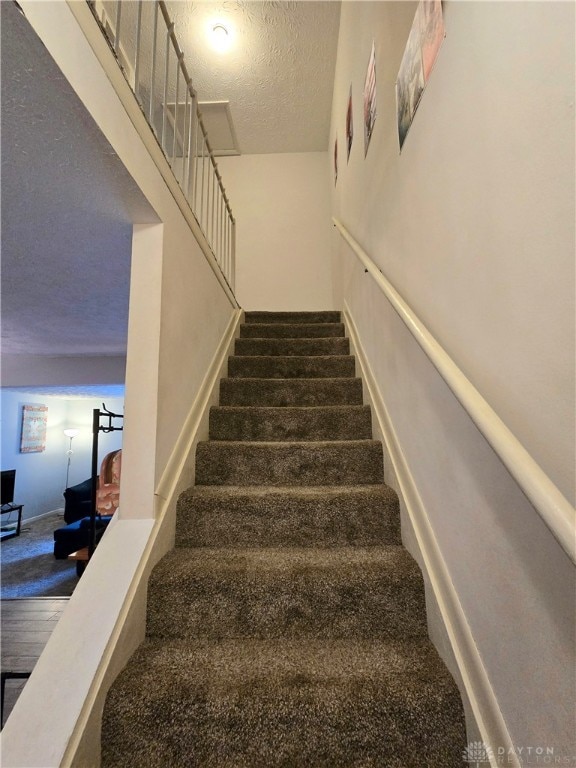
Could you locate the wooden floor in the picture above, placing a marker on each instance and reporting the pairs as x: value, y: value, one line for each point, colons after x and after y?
x: 27, y: 624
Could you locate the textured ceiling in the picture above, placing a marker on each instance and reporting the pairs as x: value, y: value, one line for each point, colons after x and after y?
x: 278, y: 73
x: 68, y: 205
x: 74, y: 393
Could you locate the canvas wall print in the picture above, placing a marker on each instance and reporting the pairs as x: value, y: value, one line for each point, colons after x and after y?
x: 349, y: 125
x: 421, y: 50
x: 34, y: 423
x: 335, y: 161
x: 432, y: 33
x: 370, y: 100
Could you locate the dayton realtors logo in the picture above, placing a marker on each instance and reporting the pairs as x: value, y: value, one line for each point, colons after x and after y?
x: 477, y: 753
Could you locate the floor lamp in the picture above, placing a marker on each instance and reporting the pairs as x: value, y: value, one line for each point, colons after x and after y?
x: 70, y: 434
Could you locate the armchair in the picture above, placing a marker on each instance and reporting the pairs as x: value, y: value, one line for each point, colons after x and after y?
x: 75, y: 534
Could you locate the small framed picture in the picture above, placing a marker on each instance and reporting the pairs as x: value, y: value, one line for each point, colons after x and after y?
x: 34, y: 423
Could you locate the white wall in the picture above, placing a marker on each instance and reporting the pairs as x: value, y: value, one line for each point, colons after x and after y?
x: 474, y: 225
x: 282, y: 208
x: 41, y: 477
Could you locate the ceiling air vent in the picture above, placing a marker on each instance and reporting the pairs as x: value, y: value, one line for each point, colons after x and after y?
x: 217, y: 121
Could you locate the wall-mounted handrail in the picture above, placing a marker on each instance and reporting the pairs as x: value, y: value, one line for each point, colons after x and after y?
x: 130, y: 38
x: 553, y: 507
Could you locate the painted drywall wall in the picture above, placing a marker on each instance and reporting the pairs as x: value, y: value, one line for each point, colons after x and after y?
x: 281, y: 204
x: 41, y: 477
x: 473, y: 224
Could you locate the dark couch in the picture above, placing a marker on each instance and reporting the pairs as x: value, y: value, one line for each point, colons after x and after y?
x: 76, y: 533
x: 77, y: 501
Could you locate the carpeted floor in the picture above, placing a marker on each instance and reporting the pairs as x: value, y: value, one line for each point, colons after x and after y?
x: 28, y: 567
x: 287, y: 628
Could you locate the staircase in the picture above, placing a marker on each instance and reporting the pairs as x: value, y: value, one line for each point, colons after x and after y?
x: 288, y: 626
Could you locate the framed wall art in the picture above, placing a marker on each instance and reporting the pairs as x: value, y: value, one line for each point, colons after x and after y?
x: 370, y: 99
x: 424, y: 41
x: 349, y: 125
x: 34, y: 423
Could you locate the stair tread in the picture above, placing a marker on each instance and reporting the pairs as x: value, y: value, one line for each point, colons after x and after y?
x: 327, y: 516
x: 264, y: 491
x: 278, y: 424
x: 287, y: 592
x: 336, y: 659
x: 300, y: 381
x: 282, y: 410
x: 292, y: 347
x: 331, y: 703
x: 289, y: 444
x: 331, y: 316
x: 334, y: 462
x: 292, y: 330
x: 209, y: 560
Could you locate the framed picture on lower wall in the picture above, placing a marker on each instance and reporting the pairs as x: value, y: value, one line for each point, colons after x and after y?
x: 34, y: 423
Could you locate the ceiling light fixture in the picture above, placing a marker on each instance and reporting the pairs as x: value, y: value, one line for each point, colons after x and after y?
x: 220, y: 37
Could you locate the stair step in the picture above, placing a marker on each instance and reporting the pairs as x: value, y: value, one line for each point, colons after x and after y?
x: 336, y: 704
x: 291, y: 317
x: 350, y: 592
x: 264, y: 516
x: 283, y: 367
x: 290, y: 330
x: 344, y: 422
x: 291, y: 347
x: 352, y: 462
x: 290, y: 392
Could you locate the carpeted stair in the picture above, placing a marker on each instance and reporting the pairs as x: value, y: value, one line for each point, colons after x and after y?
x: 288, y: 627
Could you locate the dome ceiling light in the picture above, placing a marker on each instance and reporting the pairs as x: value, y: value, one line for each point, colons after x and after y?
x: 220, y: 37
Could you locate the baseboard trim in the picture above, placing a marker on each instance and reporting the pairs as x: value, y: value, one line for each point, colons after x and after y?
x: 481, y: 696
x: 57, y: 511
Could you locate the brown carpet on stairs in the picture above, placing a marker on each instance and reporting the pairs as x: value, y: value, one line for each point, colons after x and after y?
x: 287, y: 628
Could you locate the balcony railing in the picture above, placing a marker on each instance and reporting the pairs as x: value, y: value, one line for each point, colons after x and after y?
x: 141, y: 34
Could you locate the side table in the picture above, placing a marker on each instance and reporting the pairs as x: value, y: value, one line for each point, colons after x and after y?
x: 7, y: 529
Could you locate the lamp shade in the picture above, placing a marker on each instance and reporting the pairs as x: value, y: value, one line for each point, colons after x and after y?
x: 71, y: 432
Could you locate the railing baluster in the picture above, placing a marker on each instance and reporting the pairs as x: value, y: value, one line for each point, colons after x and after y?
x: 185, y: 145
x: 178, y: 65
x: 191, y: 145
x: 153, y: 71
x: 137, y: 62
x: 227, y: 239
x: 208, y: 182
x: 214, y: 180
x: 164, y: 104
x: 207, y: 190
x: 196, y: 168
x: 202, y: 187
x: 220, y: 222
x: 117, y: 28
x: 232, y: 280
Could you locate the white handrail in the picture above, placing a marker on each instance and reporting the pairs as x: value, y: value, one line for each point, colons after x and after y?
x: 555, y: 510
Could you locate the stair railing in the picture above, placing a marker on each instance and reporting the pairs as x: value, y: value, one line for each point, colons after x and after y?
x: 554, y: 509
x: 141, y: 35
